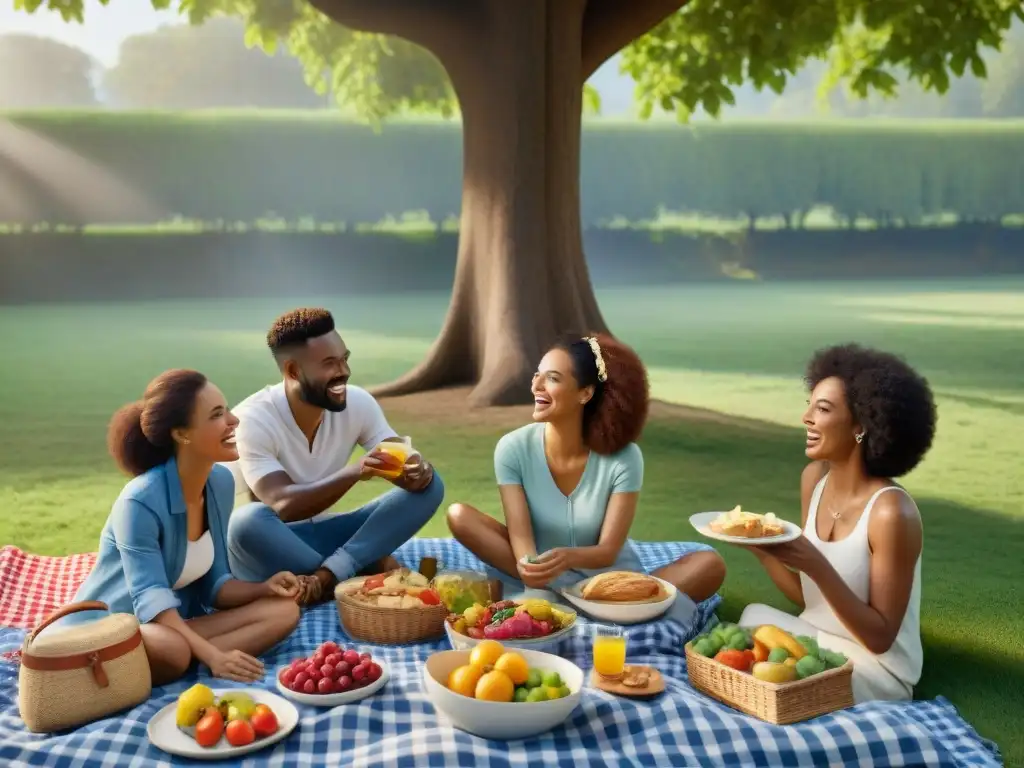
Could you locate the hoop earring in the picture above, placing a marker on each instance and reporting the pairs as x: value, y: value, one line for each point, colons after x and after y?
x: 859, y: 437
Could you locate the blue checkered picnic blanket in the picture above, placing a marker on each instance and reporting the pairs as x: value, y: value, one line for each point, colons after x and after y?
x: 399, y: 727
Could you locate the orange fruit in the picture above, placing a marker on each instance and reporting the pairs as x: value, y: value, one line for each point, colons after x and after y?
x: 486, y: 653
x: 463, y: 680
x: 513, y: 665
x: 495, y: 686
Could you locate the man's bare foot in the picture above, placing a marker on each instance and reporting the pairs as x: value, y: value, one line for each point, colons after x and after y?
x: 383, y: 565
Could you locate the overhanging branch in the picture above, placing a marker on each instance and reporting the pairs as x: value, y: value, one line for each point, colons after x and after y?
x: 432, y: 24
x: 611, y: 25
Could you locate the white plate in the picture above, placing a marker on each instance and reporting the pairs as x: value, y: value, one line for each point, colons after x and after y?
x: 334, y: 699
x: 702, y: 522
x: 621, y: 612
x: 164, y: 733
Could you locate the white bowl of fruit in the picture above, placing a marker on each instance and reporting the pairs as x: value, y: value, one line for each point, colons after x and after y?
x: 333, y: 675
x: 531, y: 624
x: 499, y: 693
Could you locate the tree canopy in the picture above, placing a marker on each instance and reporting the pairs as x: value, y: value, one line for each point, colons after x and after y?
x: 693, y: 58
x: 188, y: 67
x: 38, y: 71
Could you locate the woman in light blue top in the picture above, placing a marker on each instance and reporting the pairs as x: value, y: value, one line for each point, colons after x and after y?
x: 570, y: 482
x: 163, y: 552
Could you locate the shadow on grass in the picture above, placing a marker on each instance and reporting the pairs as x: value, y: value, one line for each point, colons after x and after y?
x: 990, y: 403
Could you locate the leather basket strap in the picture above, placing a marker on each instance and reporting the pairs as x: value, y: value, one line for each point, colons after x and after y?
x: 93, y: 659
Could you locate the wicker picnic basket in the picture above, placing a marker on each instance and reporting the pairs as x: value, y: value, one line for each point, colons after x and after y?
x: 389, y: 626
x: 778, y: 703
x: 80, y: 674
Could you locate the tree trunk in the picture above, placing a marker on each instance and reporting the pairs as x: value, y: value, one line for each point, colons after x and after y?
x: 521, y: 278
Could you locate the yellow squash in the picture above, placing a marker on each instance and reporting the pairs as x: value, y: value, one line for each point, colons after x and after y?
x: 774, y: 637
x: 773, y: 672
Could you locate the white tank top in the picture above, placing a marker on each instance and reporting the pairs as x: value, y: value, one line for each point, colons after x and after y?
x: 851, y: 558
x: 198, y: 560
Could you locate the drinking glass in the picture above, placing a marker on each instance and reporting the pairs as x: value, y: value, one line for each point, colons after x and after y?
x: 609, y: 652
x: 401, y: 449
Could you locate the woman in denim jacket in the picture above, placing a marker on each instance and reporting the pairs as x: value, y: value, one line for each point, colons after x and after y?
x: 162, y: 553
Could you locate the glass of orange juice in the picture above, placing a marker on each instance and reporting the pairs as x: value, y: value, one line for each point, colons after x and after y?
x: 401, y: 449
x: 609, y: 652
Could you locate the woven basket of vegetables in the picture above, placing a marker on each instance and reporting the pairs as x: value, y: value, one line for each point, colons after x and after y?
x: 769, y: 674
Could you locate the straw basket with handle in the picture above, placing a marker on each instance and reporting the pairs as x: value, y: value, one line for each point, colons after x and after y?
x: 82, y: 673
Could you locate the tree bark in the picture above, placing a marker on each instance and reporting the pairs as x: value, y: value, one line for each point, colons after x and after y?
x: 521, y: 278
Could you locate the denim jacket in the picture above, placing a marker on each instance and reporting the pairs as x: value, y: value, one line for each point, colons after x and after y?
x: 143, y: 545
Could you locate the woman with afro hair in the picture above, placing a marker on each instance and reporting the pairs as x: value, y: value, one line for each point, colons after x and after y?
x: 570, y: 481
x: 856, y: 570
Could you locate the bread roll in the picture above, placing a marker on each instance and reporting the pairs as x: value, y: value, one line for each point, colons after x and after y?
x: 620, y: 587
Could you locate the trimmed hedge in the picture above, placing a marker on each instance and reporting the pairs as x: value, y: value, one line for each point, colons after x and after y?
x: 241, y: 167
x: 69, y: 267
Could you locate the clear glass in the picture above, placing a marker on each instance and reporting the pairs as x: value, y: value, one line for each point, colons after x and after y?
x: 609, y: 651
x: 401, y: 449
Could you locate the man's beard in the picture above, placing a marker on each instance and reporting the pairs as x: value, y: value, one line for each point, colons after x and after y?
x: 319, y: 397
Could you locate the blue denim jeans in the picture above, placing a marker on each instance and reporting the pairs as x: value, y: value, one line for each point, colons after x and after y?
x: 260, y: 544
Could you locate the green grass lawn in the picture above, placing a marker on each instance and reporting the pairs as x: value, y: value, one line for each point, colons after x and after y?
x: 736, y: 349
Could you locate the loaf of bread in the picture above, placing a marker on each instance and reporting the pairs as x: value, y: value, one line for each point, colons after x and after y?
x: 620, y: 587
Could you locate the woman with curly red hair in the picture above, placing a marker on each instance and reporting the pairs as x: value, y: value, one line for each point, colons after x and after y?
x: 570, y: 481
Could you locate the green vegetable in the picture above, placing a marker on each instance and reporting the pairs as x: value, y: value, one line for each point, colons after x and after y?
x: 738, y: 641
x: 778, y: 655
x: 809, y: 665
x: 831, y: 659
x: 704, y: 647
x: 809, y: 643
x: 500, y: 616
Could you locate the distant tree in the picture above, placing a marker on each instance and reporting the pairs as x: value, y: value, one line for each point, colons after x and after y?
x: 1003, y: 91
x: 188, y: 67
x: 40, y: 72
x: 516, y: 70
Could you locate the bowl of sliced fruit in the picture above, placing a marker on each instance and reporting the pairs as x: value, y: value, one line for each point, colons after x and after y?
x: 531, y: 623
x: 501, y: 693
x: 332, y: 675
x: 390, y: 608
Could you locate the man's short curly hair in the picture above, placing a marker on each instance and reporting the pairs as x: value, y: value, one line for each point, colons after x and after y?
x: 887, y: 398
x: 295, y: 328
x: 615, y: 416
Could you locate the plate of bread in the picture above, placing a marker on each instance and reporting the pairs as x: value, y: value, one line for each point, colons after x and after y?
x: 622, y: 597
x: 738, y: 526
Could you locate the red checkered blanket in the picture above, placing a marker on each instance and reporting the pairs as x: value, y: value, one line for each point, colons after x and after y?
x: 34, y: 586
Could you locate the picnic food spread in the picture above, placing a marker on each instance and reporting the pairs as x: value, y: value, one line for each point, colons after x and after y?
x: 400, y: 588
x: 234, y: 716
x: 331, y: 669
x: 621, y: 587
x: 510, y: 620
x: 494, y: 674
x: 768, y: 653
x: 737, y: 522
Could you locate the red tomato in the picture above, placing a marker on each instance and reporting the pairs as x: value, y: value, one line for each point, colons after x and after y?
x: 239, y: 733
x: 430, y: 597
x: 264, y: 721
x: 209, y: 728
x: 374, y: 581
x: 740, y: 660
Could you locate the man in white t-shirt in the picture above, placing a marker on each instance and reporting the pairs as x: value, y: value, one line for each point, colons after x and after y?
x: 295, y: 440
